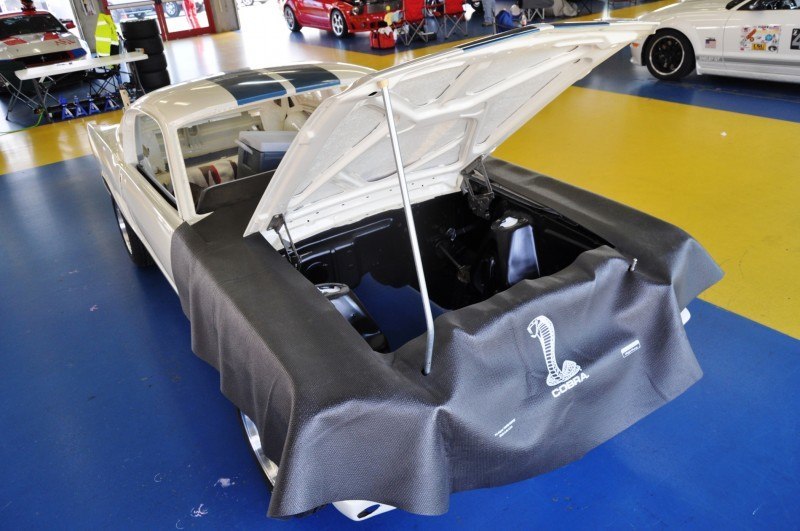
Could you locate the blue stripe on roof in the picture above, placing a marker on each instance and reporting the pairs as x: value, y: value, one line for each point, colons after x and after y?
x: 564, y: 25
x: 307, y: 77
x: 248, y: 86
x: 528, y: 29
x: 497, y: 38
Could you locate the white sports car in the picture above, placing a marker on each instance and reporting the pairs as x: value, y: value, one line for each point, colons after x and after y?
x: 309, y: 215
x: 37, y: 38
x: 758, y: 39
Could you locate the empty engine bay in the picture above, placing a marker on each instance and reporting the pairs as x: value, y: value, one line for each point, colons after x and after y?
x: 469, y: 253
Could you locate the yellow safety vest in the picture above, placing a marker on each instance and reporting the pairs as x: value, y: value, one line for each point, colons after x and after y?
x: 105, y: 35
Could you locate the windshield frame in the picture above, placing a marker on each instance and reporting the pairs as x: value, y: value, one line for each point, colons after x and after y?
x: 21, y: 24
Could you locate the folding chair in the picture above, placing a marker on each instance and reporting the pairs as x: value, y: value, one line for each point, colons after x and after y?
x: 103, y: 80
x: 534, y: 8
x: 454, y: 12
x: 414, y: 17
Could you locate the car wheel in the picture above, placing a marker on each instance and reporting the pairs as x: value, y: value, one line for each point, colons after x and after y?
x: 269, y: 469
x: 291, y: 20
x: 171, y: 9
x: 140, y: 29
x: 248, y: 3
x: 136, y: 249
x: 154, y: 63
x: 338, y: 24
x: 154, y: 80
x: 150, y: 45
x: 669, y: 55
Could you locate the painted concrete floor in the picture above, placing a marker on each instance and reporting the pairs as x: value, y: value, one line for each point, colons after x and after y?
x: 109, y: 420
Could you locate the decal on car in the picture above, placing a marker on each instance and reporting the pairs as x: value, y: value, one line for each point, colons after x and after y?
x: 711, y: 43
x: 565, y: 377
x: 760, y: 38
x: 795, y: 44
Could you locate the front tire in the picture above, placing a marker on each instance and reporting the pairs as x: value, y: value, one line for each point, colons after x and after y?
x: 291, y: 19
x: 669, y: 55
x: 136, y: 249
x: 338, y: 24
x: 172, y: 9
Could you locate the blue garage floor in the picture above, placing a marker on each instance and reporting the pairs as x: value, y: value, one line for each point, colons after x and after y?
x: 746, y: 96
x: 110, y: 421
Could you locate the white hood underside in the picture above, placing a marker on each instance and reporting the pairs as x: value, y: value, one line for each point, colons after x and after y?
x: 450, y: 109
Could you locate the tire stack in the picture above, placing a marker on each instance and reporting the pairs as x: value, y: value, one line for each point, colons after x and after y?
x: 143, y: 34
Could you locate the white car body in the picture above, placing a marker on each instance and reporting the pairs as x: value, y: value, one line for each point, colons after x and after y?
x: 732, y: 39
x: 323, y: 180
x: 38, y: 48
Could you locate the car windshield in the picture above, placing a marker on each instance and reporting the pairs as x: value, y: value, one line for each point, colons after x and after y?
x: 23, y: 24
x: 231, y: 146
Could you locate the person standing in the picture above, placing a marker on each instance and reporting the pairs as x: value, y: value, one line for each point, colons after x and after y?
x: 488, y: 12
x: 191, y: 13
x: 27, y: 6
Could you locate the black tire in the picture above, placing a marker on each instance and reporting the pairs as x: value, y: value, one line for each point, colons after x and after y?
x: 154, y: 80
x: 172, y: 9
x: 339, y: 24
x: 151, y: 45
x: 669, y: 55
x: 140, y: 29
x: 136, y: 249
x: 247, y: 3
x: 291, y: 19
x: 154, y: 63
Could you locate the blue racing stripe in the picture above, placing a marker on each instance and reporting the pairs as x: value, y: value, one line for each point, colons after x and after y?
x: 307, y: 77
x: 248, y: 86
x: 567, y: 25
x: 497, y: 38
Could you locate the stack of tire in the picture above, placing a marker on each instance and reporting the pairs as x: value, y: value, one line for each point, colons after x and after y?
x: 144, y: 35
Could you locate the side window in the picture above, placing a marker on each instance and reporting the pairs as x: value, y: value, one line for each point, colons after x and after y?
x: 766, y: 5
x: 151, y: 156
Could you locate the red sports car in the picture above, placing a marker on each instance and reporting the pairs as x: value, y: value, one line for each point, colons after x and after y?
x: 339, y: 16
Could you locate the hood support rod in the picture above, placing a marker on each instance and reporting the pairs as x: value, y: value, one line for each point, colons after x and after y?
x: 383, y: 84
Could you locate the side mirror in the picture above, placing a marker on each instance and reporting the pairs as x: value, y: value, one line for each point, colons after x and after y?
x: 68, y: 23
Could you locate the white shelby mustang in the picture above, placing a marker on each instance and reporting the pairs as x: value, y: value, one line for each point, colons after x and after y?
x: 565, y: 377
x: 757, y: 39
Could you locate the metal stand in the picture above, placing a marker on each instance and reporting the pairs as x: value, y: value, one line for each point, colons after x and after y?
x: 412, y: 229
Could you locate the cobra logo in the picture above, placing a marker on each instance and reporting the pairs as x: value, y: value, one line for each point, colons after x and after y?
x: 562, y: 378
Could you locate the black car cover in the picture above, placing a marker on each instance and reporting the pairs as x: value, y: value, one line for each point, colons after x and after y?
x: 522, y: 383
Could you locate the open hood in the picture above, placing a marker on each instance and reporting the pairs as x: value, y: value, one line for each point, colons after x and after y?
x: 450, y: 109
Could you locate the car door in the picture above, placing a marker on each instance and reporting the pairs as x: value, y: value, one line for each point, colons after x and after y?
x: 149, y: 202
x: 309, y: 12
x: 762, y: 39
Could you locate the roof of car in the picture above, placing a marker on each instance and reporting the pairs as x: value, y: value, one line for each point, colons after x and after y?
x: 211, y: 95
x: 18, y: 13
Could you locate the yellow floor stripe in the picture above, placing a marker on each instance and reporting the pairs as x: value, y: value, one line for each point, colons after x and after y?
x: 728, y: 179
x: 48, y: 143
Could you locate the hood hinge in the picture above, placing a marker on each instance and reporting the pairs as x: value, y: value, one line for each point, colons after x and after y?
x: 292, y: 255
x: 479, y: 203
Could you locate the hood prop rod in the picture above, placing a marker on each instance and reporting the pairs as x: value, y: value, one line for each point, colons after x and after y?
x: 383, y: 84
